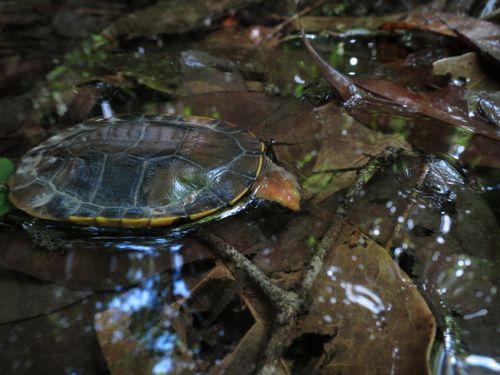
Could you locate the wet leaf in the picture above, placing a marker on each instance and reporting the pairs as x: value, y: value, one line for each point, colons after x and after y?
x: 446, y: 235
x: 112, y: 268
x: 243, y: 359
x: 286, y: 255
x: 171, y: 17
x: 53, y: 344
x: 346, y: 145
x: 159, y: 71
x: 24, y: 297
x: 425, y: 21
x: 341, y: 24
x: 466, y: 67
x: 183, y: 327
x: 208, y: 81
x: 489, y: 102
x: 130, y: 354
x: 364, y: 309
x: 483, y: 35
x: 432, y: 105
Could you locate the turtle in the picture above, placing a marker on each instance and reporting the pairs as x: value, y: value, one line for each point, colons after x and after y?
x: 148, y: 171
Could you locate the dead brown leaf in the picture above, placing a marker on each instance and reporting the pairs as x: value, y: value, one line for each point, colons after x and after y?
x: 53, y: 343
x: 171, y: 17
x: 466, y: 67
x: 25, y: 297
x: 110, y: 268
x: 363, y: 310
x: 346, y: 145
x: 433, y: 105
x: 483, y: 35
x: 427, y: 213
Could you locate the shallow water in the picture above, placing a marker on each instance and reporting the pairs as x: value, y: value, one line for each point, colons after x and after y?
x: 411, y: 270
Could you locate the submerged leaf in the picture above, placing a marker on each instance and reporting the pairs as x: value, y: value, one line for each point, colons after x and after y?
x: 53, y: 344
x: 484, y: 35
x: 187, y: 336
x: 346, y: 146
x: 24, y: 297
x: 363, y: 310
x: 432, y: 105
x: 171, y: 17
x: 112, y: 267
x: 443, y: 231
x: 466, y: 67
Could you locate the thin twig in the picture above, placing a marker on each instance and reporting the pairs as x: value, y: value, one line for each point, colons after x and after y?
x: 290, y: 20
x: 371, y: 168
x: 287, y: 303
x: 406, y: 213
x: 281, y: 335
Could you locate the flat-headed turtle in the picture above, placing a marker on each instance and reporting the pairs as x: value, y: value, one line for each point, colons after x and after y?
x: 141, y: 171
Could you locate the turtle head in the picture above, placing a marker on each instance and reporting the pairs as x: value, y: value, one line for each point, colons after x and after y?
x: 276, y: 184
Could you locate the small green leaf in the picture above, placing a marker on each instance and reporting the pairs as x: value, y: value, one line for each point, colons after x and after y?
x: 6, y: 169
x: 187, y: 111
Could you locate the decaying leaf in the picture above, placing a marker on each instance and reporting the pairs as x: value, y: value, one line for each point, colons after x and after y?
x: 466, y: 67
x: 365, y: 314
x: 171, y: 17
x: 53, y: 344
x: 25, y: 297
x: 483, y: 35
x: 70, y: 268
x: 432, y: 105
x: 442, y: 229
x: 346, y: 145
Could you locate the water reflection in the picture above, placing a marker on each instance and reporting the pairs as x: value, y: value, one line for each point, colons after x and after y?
x: 480, y: 361
x: 364, y: 297
x: 180, y: 287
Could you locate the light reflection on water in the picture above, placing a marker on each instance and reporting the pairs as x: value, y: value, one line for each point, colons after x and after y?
x: 363, y: 296
x: 483, y: 362
x: 151, y: 304
x: 180, y: 288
